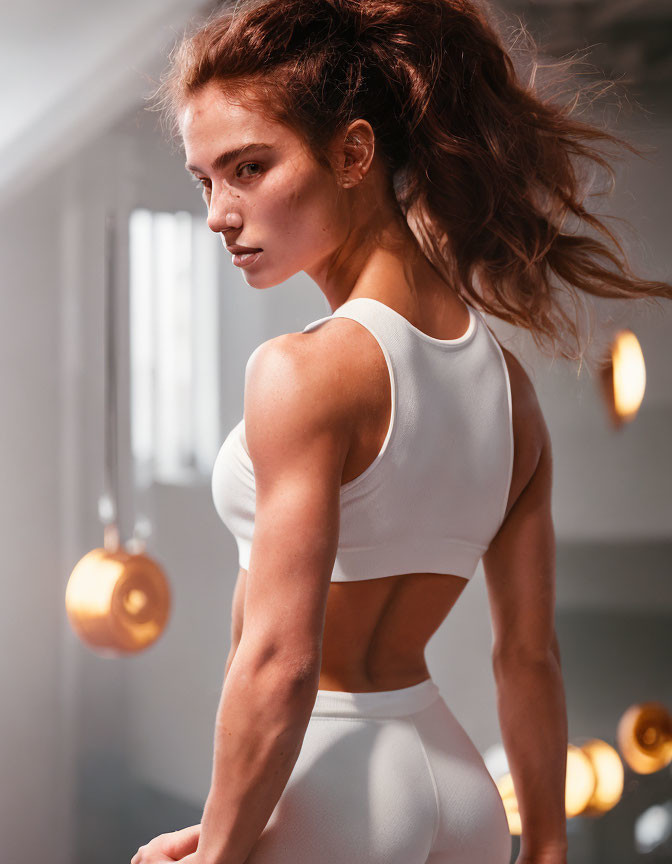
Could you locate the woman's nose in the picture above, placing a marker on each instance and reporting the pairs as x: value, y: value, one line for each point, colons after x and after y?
x: 223, y: 213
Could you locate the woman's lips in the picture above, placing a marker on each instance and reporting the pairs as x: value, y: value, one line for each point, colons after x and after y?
x: 246, y: 258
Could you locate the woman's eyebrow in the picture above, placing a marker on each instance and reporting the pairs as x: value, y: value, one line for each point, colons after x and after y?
x: 223, y: 159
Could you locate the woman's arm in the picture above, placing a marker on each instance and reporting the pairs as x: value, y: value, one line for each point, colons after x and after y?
x: 520, y: 574
x: 178, y: 844
x: 297, y: 433
x: 237, y: 615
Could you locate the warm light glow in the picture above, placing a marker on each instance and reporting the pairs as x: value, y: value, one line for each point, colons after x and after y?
x: 581, y: 781
x: 629, y: 374
x: 622, y: 378
x: 117, y: 602
x: 609, y: 775
x: 645, y: 737
x: 508, y: 795
x: 135, y: 601
x: 91, y: 583
x: 580, y: 786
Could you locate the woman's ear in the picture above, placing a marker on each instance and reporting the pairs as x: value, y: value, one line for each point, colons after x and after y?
x: 356, y: 153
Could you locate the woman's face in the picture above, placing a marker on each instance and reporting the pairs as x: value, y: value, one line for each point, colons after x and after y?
x: 275, y: 195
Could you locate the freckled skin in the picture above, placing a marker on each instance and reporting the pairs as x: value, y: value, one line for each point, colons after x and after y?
x: 298, y: 212
x: 289, y: 208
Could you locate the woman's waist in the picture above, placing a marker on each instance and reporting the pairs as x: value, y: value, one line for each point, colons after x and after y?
x: 393, y: 702
x: 354, y: 674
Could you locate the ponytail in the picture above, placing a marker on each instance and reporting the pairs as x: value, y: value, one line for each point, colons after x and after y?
x: 486, y: 169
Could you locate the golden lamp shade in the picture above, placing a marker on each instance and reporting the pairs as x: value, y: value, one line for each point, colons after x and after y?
x: 645, y: 737
x: 118, y: 602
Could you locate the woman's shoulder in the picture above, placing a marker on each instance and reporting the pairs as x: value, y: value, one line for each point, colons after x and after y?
x: 523, y: 393
x: 305, y: 376
x: 354, y: 364
x: 530, y: 432
x: 312, y: 360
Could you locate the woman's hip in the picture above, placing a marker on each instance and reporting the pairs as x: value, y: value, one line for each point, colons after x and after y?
x: 375, y: 777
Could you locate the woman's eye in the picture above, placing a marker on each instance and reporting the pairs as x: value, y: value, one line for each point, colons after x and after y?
x: 205, y: 187
x: 247, y: 165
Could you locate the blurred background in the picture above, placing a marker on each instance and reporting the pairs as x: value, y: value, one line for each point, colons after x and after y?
x: 100, y: 754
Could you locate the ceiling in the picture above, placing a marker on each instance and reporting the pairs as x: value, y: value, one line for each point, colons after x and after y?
x: 75, y: 66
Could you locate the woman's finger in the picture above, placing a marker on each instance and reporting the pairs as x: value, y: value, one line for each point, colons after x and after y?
x: 177, y: 844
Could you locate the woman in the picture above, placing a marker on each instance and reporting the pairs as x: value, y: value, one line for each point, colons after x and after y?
x: 389, y: 151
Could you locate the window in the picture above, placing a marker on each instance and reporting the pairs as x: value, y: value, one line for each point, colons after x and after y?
x: 174, y: 345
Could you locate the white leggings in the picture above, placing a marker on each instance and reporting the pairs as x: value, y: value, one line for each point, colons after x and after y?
x: 386, y: 777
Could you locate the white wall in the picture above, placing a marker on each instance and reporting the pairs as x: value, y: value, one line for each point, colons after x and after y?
x: 35, y: 678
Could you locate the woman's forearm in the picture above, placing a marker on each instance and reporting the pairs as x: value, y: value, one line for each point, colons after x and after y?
x: 261, y: 721
x: 533, y: 721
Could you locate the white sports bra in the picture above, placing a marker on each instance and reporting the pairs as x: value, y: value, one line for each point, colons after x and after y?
x: 436, y: 493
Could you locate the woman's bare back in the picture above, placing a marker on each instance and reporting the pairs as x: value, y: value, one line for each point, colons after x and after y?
x: 376, y: 630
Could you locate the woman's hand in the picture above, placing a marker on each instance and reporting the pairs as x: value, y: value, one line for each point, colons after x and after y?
x: 173, y: 846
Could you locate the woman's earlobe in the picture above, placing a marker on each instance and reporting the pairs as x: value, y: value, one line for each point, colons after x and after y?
x: 351, y: 181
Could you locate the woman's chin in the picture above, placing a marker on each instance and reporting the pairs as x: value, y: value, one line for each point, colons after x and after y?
x: 260, y: 283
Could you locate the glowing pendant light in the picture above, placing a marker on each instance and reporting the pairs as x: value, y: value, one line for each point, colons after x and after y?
x: 593, y: 783
x: 609, y: 776
x: 594, y: 779
x: 623, y: 378
x: 117, y: 600
x: 580, y: 784
x: 645, y: 737
x: 581, y: 781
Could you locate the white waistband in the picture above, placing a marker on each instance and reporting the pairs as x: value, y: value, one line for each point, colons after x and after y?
x: 380, y: 703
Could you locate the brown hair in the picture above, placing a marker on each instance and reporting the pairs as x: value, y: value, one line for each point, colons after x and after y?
x: 485, y: 167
